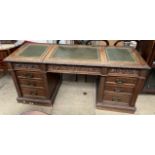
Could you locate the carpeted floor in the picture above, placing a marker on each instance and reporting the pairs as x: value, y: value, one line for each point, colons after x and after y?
x: 73, y: 98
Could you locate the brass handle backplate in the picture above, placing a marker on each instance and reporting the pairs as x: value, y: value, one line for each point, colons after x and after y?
x: 119, y: 81
x: 31, y: 84
x: 34, y: 93
x: 117, y: 89
x: 29, y: 75
x: 117, y: 99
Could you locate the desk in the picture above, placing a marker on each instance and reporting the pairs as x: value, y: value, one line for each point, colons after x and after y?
x: 36, y: 71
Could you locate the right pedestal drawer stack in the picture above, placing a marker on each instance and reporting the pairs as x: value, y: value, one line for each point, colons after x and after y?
x: 120, y: 88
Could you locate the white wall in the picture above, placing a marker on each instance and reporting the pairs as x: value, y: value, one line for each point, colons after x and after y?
x: 52, y: 41
x: 43, y: 41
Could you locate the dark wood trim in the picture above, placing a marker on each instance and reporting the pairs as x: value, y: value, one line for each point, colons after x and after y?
x: 116, y: 108
x: 137, y: 90
x: 100, y: 89
x: 45, y: 102
x: 15, y: 80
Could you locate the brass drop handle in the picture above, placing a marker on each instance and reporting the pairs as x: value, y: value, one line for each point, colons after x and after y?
x: 117, y: 99
x: 31, y: 84
x: 117, y: 89
x: 31, y: 66
x: 29, y: 75
x: 18, y: 65
x: 34, y: 84
x: 34, y: 93
x: 119, y: 81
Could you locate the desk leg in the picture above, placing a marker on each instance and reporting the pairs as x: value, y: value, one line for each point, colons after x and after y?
x: 100, y: 90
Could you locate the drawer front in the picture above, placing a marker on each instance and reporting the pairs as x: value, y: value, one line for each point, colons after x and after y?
x: 34, y: 93
x: 121, y: 80
x: 21, y: 66
x: 61, y: 68
x: 75, y: 69
x: 115, y: 88
x: 29, y: 75
x: 85, y: 70
x: 117, y: 97
x: 31, y: 83
x: 118, y: 71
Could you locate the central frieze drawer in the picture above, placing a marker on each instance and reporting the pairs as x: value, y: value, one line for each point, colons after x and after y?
x: 74, y: 69
x: 60, y: 68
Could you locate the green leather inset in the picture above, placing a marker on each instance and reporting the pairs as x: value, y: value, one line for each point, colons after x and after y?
x: 33, y: 51
x: 116, y: 54
x: 78, y: 53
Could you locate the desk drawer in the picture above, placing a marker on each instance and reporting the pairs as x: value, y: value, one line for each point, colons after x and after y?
x: 116, y: 88
x: 88, y: 70
x: 22, y: 66
x: 74, y: 69
x: 118, y: 71
x: 117, y: 97
x: 61, y: 68
x: 29, y: 75
x: 35, y: 93
x: 31, y: 83
x: 121, y: 80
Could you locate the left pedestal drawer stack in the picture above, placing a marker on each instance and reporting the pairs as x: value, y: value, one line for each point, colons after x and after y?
x: 32, y: 83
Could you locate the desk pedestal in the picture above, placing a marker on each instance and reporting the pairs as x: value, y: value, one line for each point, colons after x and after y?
x: 33, y: 84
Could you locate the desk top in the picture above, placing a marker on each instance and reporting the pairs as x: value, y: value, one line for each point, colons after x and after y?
x: 78, y: 55
x: 29, y: 52
x: 74, y: 53
x: 123, y: 55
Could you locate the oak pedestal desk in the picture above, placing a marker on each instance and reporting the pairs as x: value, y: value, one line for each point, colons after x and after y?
x: 36, y: 70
